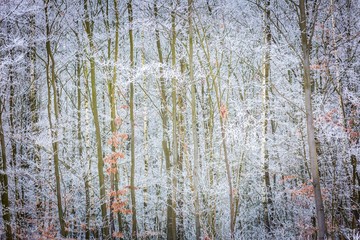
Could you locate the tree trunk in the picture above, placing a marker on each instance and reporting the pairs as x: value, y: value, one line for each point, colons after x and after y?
x: 310, y: 123
x: 196, y: 167
x: 4, y: 181
x: 89, y: 31
x: 208, y: 117
x: 223, y: 111
x: 13, y: 145
x: 113, y: 99
x: 223, y: 116
x: 34, y: 116
x: 182, y: 145
x: 170, y: 211
x: 264, y: 149
x: 89, y: 193
x: 174, y: 167
x: 114, y: 176
x: 132, y: 124
x: 146, y: 139
x: 52, y: 85
x: 80, y: 149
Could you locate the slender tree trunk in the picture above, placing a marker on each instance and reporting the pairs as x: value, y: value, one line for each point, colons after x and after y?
x: 196, y: 167
x: 4, y: 181
x: 132, y: 123
x: 34, y: 117
x: 223, y: 116
x: 113, y: 99
x: 13, y: 147
x: 114, y: 176
x: 334, y: 201
x: 87, y: 167
x: 208, y: 116
x: 80, y: 149
x: 174, y: 168
x: 264, y: 149
x: 111, y: 81
x: 170, y: 212
x: 146, y: 139
x: 310, y: 123
x: 180, y: 163
x: 52, y: 85
x: 223, y: 111
x: 89, y: 31
x: 89, y: 193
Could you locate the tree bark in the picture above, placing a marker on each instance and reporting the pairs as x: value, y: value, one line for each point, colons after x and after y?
x: 196, y: 167
x: 52, y: 85
x: 34, y: 115
x: 170, y: 211
x: 146, y: 139
x: 113, y: 100
x: 174, y: 167
x: 88, y: 24
x: 132, y: 123
x: 322, y: 231
x: 264, y: 149
x: 182, y: 152
x: 4, y: 181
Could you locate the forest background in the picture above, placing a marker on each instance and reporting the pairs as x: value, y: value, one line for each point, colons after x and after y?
x: 198, y: 119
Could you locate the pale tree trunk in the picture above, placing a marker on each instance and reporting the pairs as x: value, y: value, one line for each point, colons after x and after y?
x: 210, y: 147
x: 322, y: 231
x: 89, y: 193
x: 132, y: 123
x: 237, y: 184
x: 174, y: 167
x: 208, y: 116
x: 196, y: 167
x: 265, y: 111
x: 182, y: 148
x: 89, y: 31
x: 146, y: 139
x: 52, y: 85
x: 34, y: 116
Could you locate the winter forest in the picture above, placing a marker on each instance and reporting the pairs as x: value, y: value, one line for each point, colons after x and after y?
x: 174, y: 119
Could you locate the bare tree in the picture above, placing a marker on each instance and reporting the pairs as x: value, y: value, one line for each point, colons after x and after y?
x: 88, y: 24
x: 320, y: 212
